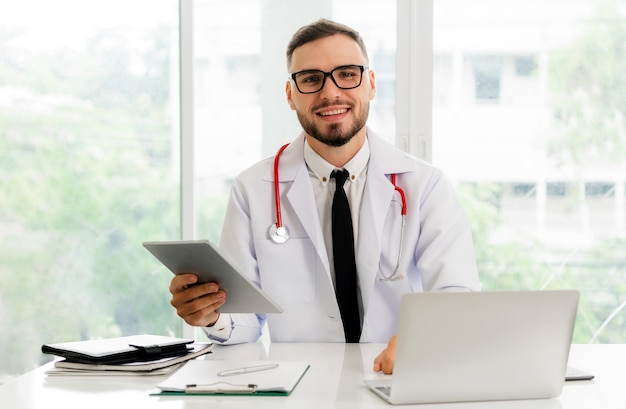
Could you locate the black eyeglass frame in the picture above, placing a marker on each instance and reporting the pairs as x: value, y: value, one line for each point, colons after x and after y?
x: 362, y: 68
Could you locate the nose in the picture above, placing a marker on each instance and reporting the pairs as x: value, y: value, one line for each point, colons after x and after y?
x: 329, y: 91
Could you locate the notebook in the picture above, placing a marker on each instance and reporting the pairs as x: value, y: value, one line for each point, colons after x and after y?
x: 120, y: 350
x: 156, y: 367
x: 482, y: 346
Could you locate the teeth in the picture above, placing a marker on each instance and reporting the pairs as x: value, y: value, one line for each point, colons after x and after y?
x: 334, y: 112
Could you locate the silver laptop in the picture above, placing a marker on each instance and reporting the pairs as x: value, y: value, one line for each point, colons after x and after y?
x: 483, y: 346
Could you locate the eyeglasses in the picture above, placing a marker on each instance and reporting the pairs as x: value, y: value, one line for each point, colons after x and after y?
x: 344, y: 77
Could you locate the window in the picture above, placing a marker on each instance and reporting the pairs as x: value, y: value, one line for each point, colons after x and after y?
x: 523, y: 189
x: 557, y: 189
x: 487, y: 71
x: 541, y: 172
x: 88, y: 121
x: 599, y: 189
x: 525, y: 66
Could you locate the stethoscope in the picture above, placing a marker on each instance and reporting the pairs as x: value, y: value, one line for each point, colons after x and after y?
x: 280, y: 234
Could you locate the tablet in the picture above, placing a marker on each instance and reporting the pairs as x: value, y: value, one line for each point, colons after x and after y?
x: 203, y: 258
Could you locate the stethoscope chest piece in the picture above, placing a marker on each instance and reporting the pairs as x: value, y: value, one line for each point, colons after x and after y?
x: 279, y: 235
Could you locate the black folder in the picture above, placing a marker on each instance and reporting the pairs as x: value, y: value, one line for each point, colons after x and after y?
x: 121, y: 350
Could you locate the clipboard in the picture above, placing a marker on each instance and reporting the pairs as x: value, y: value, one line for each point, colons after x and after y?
x: 200, y: 377
x: 204, y: 259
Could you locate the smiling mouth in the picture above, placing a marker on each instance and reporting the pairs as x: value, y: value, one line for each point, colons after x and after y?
x: 333, y: 112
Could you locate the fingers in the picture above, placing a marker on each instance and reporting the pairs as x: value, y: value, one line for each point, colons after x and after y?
x: 181, y: 282
x: 384, y: 361
x: 196, y: 304
x: 378, y: 365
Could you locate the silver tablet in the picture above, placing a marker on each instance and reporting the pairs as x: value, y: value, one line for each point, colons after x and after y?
x: 203, y: 258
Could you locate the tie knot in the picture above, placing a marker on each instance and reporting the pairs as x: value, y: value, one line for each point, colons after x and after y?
x: 340, y: 176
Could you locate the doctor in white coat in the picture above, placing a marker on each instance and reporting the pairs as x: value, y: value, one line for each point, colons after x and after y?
x: 433, y: 252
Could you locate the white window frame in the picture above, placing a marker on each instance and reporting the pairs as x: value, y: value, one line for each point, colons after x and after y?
x: 187, y: 167
x: 414, y: 73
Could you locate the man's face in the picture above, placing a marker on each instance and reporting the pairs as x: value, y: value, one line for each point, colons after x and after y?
x: 333, y: 115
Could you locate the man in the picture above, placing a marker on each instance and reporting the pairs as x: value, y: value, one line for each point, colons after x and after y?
x: 430, y: 249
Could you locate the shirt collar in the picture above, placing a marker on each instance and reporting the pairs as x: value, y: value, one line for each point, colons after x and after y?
x: 322, y: 169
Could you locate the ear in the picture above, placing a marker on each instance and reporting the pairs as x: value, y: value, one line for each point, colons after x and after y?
x: 288, y: 91
x: 372, y: 79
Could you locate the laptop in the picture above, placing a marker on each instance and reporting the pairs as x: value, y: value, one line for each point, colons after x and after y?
x: 481, y: 346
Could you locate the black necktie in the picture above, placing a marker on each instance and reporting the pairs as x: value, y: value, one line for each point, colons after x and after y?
x: 345, y: 266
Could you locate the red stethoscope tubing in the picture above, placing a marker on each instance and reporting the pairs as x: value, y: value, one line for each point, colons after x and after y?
x: 399, y: 190
x: 279, y: 218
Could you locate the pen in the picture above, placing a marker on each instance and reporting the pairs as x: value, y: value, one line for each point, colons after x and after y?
x: 239, y: 371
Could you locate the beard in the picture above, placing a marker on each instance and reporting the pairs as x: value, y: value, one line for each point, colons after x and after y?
x: 337, y: 134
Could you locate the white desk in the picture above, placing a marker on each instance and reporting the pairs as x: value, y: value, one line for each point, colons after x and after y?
x: 335, y: 380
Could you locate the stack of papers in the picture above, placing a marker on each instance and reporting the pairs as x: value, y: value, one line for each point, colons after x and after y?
x: 156, y: 367
x: 234, y: 377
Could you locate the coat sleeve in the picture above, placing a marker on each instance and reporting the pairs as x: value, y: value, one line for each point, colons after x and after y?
x: 237, y: 244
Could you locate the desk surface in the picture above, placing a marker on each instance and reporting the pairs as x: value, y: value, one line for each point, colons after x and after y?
x: 335, y: 380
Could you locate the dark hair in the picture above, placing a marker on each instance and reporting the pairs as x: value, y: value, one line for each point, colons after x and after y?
x: 321, y: 29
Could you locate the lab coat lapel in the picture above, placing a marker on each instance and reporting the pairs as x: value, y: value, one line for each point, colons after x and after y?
x: 299, y: 199
x: 377, y: 196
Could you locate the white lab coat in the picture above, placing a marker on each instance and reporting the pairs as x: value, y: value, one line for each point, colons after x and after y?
x: 437, y: 251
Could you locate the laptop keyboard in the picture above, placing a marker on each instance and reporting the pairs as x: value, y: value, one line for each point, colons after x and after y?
x: 385, y: 390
